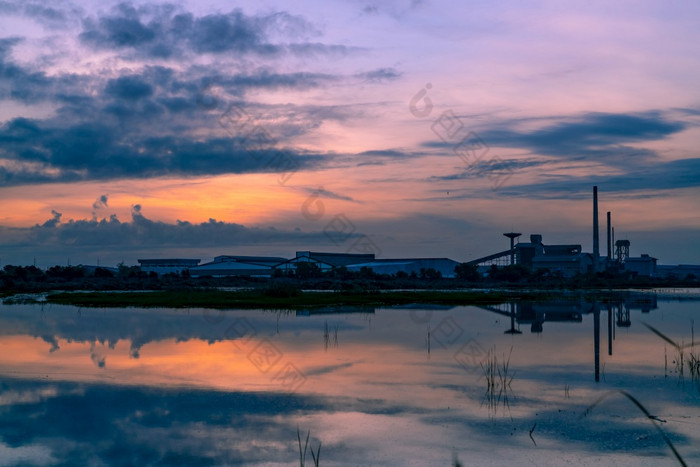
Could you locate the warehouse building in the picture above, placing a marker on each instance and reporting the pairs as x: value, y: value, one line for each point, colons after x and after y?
x: 168, y: 265
x: 324, y: 261
x: 230, y: 265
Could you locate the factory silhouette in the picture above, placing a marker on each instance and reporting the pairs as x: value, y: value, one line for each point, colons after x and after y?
x: 564, y: 261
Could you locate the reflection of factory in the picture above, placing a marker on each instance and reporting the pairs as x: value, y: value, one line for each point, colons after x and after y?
x: 536, y: 314
x: 568, y: 260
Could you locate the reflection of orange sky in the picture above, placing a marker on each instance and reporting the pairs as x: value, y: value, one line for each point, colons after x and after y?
x: 379, y: 386
x: 377, y: 368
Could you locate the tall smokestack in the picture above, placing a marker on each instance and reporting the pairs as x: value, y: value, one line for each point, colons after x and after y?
x: 609, y: 239
x: 596, y: 240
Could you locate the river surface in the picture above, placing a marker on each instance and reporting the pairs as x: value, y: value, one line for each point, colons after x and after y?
x: 422, y: 385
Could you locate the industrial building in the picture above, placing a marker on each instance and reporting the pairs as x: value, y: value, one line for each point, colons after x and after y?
x: 324, y: 261
x: 167, y: 266
x: 565, y: 260
x: 568, y: 260
x: 230, y: 265
x: 445, y: 266
x: 679, y: 271
x: 265, y: 266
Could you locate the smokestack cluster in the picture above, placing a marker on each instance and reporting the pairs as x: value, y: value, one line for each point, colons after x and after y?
x: 596, y: 240
x: 609, y: 239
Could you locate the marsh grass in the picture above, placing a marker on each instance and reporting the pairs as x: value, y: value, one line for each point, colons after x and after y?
x: 427, y: 340
x: 327, y: 335
x: 684, y: 358
x: 316, y: 456
x: 652, y: 418
x: 498, y: 381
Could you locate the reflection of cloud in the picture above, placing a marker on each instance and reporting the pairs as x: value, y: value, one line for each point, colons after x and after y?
x: 155, y: 425
x: 51, y: 340
x: 28, y: 396
x: 322, y: 370
x: 35, y: 454
x: 97, y: 355
x: 383, y: 381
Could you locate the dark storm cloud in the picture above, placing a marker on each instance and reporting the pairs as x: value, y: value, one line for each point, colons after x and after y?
x: 130, y: 87
x: 100, y: 202
x: 141, y: 122
x: 380, y: 75
x: 661, y: 175
x: 162, y: 31
x: 643, y: 177
x: 323, y: 193
x: 267, y: 79
x: 141, y: 231
x: 56, y: 15
x: 138, y: 124
x: 593, y: 136
x: 26, y: 85
x: 384, y: 154
x: 488, y: 167
x: 43, y: 152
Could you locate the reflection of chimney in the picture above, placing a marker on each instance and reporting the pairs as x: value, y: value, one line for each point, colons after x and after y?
x: 596, y: 246
x: 610, y: 329
x: 609, y: 239
x: 596, y: 340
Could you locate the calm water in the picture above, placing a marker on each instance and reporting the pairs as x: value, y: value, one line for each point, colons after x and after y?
x: 382, y: 386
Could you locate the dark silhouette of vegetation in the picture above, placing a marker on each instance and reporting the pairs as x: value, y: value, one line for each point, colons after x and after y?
x: 467, y: 272
x: 20, y: 279
x: 510, y: 273
x: 308, y: 271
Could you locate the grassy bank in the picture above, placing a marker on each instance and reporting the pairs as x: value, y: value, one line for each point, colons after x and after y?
x: 278, y: 300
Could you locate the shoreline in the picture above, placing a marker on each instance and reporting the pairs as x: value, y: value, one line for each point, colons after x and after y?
x: 297, y: 299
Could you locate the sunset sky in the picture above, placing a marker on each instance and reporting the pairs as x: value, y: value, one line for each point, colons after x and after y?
x: 409, y: 128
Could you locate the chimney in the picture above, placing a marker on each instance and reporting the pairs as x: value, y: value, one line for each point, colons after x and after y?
x: 609, y: 239
x: 596, y: 240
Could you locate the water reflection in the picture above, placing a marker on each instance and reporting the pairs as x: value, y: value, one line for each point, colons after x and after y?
x: 131, y: 386
x: 536, y: 314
